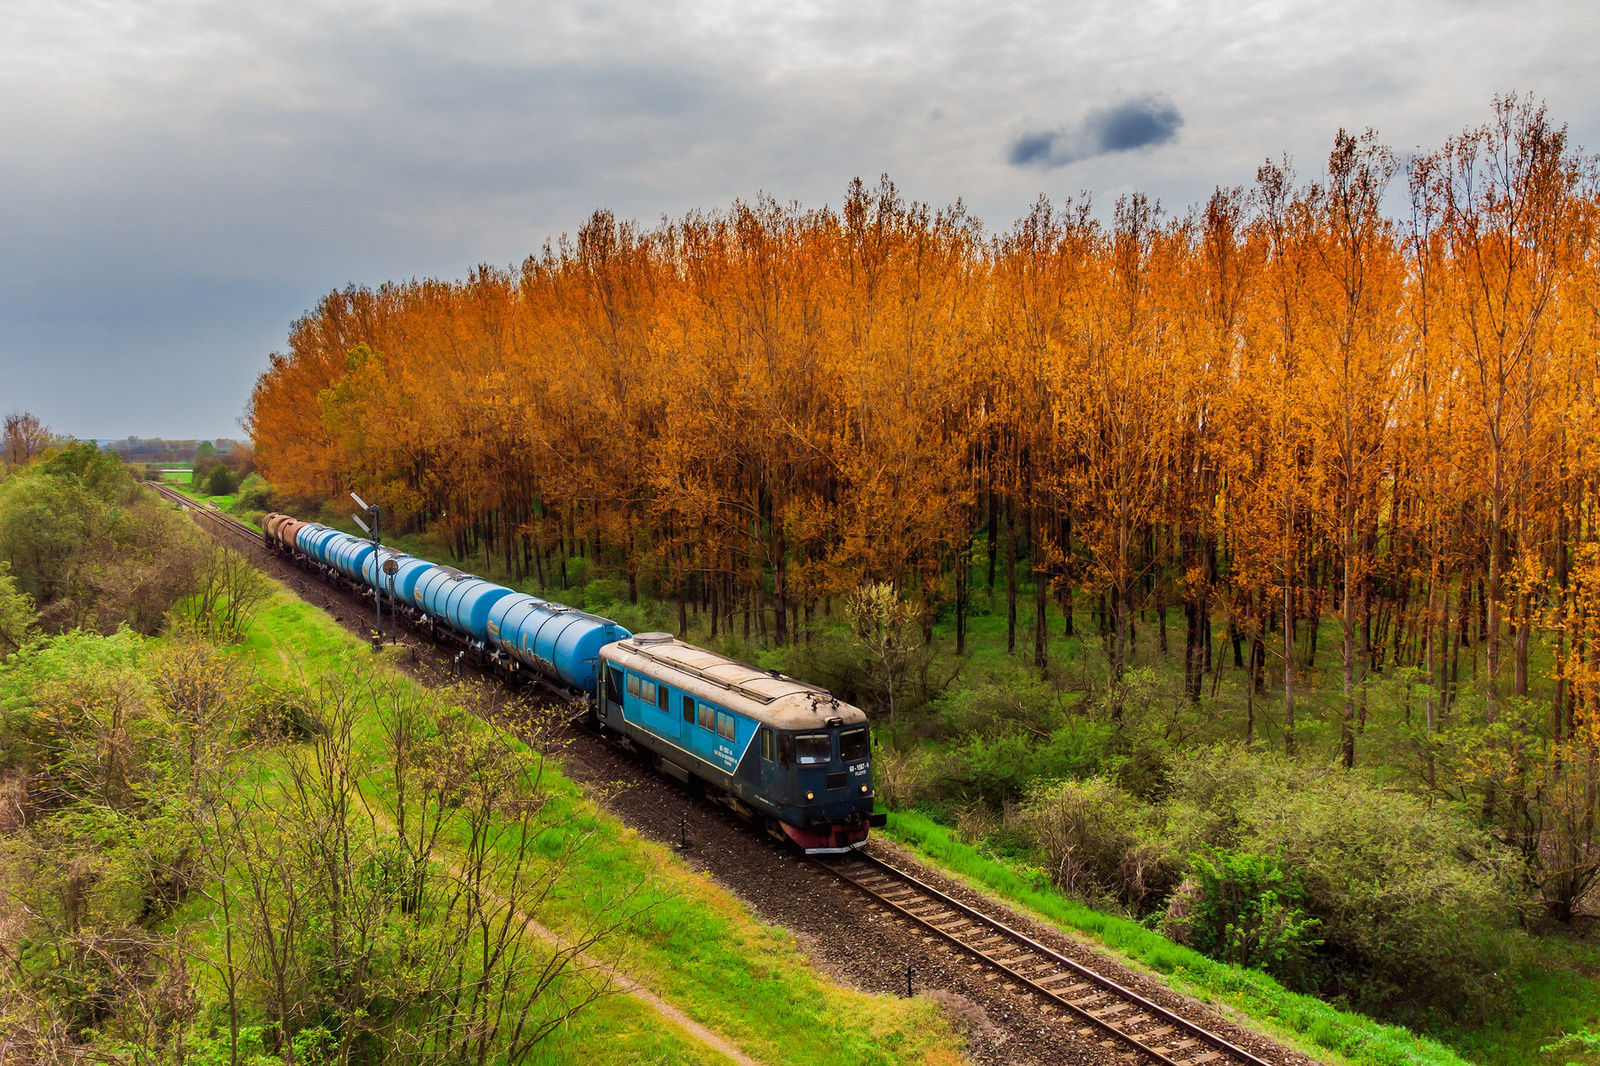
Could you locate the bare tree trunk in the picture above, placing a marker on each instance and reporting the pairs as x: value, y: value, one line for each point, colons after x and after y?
x: 1041, y: 599
x: 1288, y: 632
x: 1011, y: 579
x: 1347, y: 736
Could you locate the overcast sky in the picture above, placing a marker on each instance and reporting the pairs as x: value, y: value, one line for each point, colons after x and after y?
x: 180, y: 180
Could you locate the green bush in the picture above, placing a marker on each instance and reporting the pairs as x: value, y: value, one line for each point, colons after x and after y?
x: 1005, y: 768
x: 1417, y: 905
x: 1248, y: 910
x: 1097, y: 842
x: 91, y: 549
x: 220, y: 481
x: 16, y: 612
x: 255, y: 494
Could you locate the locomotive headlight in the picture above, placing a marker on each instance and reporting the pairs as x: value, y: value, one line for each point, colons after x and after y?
x: 863, y: 788
x: 811, y: 795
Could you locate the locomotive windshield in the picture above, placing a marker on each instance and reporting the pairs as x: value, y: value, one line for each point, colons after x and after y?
x: 813, y: 748
x: 853, y: 745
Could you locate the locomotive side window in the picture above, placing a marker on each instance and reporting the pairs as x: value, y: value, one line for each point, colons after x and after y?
x: 633, y: 684
x: 813, y: 748
x: 647, y: 691
x: 708, y: 716
x: 688, y: 708
x: 768, y: 748
x: 663, y: 696
x: 726, y: 729
x: 853, y: 745
x: 614, y: 684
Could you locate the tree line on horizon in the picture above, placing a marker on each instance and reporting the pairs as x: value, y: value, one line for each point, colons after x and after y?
x: 1281, y: 405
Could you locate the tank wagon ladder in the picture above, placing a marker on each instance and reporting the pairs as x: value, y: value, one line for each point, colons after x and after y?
x: 1151, y: 1032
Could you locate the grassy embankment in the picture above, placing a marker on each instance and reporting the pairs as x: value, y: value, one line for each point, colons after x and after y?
x: 698, y: 948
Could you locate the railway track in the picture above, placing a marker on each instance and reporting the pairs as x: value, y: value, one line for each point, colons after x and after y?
x: 1148, y: 1032
x: 214, y: 517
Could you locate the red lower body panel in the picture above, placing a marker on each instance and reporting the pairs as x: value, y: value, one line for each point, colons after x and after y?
x: 839, y: 838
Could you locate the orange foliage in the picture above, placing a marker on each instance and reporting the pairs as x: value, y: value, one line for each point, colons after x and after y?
x: 1280, y: 404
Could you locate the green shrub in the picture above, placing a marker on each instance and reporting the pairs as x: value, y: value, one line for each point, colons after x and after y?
x: 1248, y: 910
x: 255, y: 494
x: 16, y: 612
x: 998, y: 769
x: 1417, y: 905
x: 1097, y: 842
x: 220, y: 481
x: 282, y: 711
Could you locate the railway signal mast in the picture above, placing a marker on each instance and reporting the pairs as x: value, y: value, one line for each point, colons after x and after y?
x: 377, y: 585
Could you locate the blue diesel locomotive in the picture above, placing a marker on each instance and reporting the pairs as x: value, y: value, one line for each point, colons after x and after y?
x: 782, y: 753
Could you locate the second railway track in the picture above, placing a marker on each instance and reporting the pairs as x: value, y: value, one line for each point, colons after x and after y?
x: 1145, y: 1031
x: 214, y: 517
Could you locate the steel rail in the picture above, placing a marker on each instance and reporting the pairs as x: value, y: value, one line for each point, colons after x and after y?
x: 1100, y: 1020
x: 226, y: 520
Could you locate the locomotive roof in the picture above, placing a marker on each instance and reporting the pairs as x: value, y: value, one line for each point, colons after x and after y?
x: 765, y: 695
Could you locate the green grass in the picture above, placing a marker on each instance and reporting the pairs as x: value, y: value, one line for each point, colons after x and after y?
x: 698, y: 948
x: 1553, y: 997
x: 1299, y: 1020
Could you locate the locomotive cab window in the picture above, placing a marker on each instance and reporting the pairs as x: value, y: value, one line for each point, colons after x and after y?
x: 708, y: 716
x: 614, y: 684
x: 853, y: 745
x: 769, y: 749
x: 663, y: 697
x: 813, y: 748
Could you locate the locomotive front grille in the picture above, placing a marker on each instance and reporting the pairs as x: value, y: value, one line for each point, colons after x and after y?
x: 836, y: 781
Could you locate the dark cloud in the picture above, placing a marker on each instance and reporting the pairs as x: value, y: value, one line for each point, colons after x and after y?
x: 1141, y: 122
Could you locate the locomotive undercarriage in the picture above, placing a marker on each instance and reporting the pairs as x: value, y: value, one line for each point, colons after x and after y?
x: 816, y: 838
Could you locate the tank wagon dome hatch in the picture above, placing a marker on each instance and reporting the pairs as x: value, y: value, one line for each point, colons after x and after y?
x: 775, y: 698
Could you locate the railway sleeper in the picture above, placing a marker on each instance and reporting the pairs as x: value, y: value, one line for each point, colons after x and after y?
x: 1111, y: 1011
x: 1016, y: 957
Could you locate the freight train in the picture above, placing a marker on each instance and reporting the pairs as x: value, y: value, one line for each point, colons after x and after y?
x: 782, y: 753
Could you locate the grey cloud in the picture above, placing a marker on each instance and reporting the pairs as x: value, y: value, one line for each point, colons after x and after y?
x: 1140, y: 122
x: 183, y: 177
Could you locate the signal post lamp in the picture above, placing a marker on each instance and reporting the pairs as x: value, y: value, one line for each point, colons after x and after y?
x: 377, y: 586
